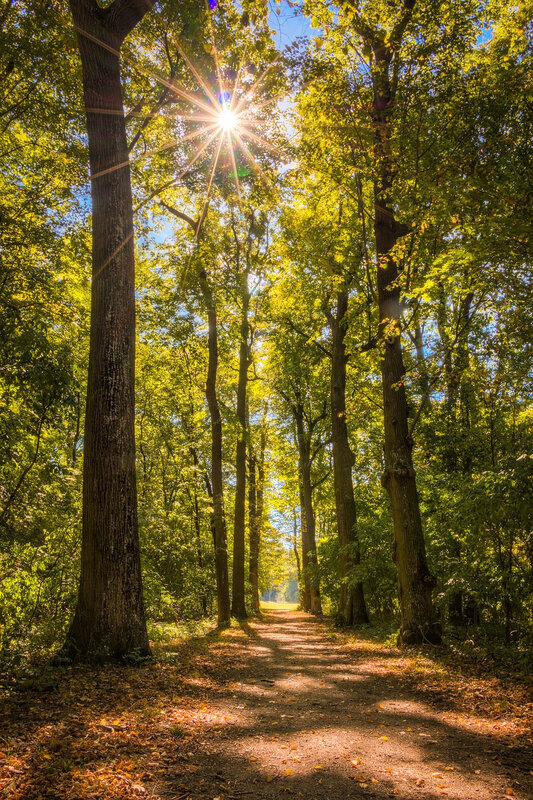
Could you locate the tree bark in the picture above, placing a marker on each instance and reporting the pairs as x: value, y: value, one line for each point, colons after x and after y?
x: 238, y: 606
x: 109, y: 621
x: 312, y: 600
x: 253, y: 517
x: 352, y: 606
x: 418, y: 621
x: 218, y: 519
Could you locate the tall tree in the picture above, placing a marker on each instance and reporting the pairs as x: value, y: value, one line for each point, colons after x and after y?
x: 242, y: 259
x: 415, y: 580
x: 305, y: 428
x: 109, y: 621
x: 218, y: 518
x: 352, y: 606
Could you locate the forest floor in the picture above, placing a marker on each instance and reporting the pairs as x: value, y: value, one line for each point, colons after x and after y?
x: 277, y: 707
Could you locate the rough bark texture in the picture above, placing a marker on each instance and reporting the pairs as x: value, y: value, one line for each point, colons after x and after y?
x: 311, y: 588
x: 109, y: 621
x: 218, y: 520
x: 352, y: 606
x: 418, y: 622
x: 238, y: 606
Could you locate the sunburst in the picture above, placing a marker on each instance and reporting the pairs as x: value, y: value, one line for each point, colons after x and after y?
x: 229, y: 119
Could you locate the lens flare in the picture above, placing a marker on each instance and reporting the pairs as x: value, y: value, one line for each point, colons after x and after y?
x: 227, y: 120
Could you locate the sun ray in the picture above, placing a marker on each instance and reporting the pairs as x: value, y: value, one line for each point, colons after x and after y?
x: 167, y: 146
x: 170, y: 84
x: 182, y: 174
x: 234, y: 163
x: 227, y: 116
x: 246, y: 96
x: 253, y: 161
x: 240, y: 70
x: 196, y: 73
x: 220, y: 82
x: 202, y: 215
x: 261, y: 141
x: 115, y: 252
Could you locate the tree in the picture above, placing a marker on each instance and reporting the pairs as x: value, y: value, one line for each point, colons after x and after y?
x: 109, y: 621
x: 352, y: 606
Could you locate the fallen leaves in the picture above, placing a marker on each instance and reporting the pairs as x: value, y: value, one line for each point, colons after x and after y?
x: 118, y: 733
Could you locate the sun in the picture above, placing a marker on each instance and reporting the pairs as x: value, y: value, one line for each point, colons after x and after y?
x: 227, y: 120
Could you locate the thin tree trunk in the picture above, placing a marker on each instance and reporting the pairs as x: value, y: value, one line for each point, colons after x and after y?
x: 352, y: 606
x: 260, y: 500
x: 218, y: 519
x: 109, y: 621
x: 297, y: 554
x: 309, y: 556
x: 253, y: 518
x: 238, y: 606
x: 418, y: 621
x: 198, y: 529
x: 306, y: 589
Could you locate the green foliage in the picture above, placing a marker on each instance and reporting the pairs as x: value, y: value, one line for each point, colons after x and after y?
x: 462, y: 133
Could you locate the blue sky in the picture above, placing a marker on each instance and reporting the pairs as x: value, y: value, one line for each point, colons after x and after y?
x: 289, y: 24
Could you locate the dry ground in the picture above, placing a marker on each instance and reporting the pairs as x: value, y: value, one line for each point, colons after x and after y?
x: 274, y: 708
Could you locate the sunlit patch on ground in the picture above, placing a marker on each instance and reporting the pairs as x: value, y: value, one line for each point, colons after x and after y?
x: 264, y: 709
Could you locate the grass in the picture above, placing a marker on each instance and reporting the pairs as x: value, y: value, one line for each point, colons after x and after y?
x: 269, y: 605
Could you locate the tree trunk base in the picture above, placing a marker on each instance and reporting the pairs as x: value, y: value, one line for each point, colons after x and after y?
x: 430, y: 633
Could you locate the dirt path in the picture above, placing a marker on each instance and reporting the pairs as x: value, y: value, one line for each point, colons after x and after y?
x: 275, y: 708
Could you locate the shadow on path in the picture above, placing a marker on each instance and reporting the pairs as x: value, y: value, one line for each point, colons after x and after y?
x: 276, y: 707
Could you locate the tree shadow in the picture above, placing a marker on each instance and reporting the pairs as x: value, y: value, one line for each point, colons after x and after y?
x: 267, y: 708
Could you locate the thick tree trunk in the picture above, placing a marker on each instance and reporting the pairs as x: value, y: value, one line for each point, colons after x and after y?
x: 218, y: 519
x: 352, y: 606
x: 312, y: 600
x: 109, y: 621
x: 238, y: 606
x: 418, y: 623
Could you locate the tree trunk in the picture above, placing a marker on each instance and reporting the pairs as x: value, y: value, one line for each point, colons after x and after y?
x: 195, y: 503
x: 109, y: 621
x: 238, y: 606
x: 418, y: 621
x: 256, y: 514
x: 253, y: 517
x: 218, y: 519
x: 352, y: 606
x: 305, y: 588
x: 309, y: 556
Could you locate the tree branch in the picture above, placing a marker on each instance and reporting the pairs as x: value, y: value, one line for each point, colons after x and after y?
x: 124, y: 15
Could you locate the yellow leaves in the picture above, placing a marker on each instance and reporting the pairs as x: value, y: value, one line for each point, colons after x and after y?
x: 288, y: 772
x: 383, y: 738
x: 318, y: 766
x: 252, y: 758
x: 269, y: 778
x: 355, y: 762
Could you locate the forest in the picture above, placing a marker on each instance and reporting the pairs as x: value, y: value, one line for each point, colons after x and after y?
x: 265, y: 334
